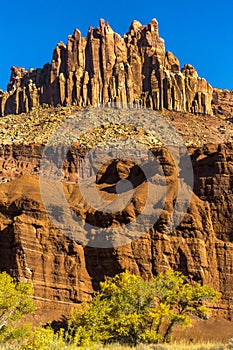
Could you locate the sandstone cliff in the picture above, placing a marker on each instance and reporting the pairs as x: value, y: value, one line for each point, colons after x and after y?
x: 64, y: 271
x: 107, y: 68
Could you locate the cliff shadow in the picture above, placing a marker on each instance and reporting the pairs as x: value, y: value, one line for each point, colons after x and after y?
x: 101, y: 263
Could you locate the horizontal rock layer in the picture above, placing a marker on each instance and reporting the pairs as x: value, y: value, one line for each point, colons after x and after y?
x: 107, y: 68
x: 64, y: 271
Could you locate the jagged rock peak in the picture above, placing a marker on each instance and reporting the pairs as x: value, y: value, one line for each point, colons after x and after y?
x: 105, y: 68
x: 135, y: 25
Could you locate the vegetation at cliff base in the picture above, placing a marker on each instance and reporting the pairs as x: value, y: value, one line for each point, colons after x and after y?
x: 127, y: 310
x: 15, y: 300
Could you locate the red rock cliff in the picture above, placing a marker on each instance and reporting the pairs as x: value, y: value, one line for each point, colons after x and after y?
x: 64, y: 271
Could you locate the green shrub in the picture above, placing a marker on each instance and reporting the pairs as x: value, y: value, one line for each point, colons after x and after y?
x: 16, y: 300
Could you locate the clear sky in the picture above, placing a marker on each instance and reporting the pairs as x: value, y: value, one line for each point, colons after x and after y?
x: 198, y: 32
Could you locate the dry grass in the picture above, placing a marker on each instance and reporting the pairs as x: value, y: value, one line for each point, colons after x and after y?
x: 172, y: 346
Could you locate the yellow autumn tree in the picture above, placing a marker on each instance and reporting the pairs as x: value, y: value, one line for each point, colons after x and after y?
x: 128, y: 309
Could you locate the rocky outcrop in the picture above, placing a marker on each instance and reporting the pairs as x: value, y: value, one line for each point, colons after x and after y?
x: 222, y: 103
x: 64, y: 271
x: 105, y: 68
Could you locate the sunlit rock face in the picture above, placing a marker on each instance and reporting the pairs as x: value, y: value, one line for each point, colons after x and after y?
x: 64, y: 271
x: 105, y: 68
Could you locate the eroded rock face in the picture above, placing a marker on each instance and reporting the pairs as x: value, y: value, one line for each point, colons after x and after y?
x: 64, y: 271
x: 213, y: 169
x: 107, y: 68
x: 223, y: 103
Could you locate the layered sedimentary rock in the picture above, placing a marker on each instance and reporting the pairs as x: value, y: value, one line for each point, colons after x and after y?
x: 64, y: 271
x: 105, y: 68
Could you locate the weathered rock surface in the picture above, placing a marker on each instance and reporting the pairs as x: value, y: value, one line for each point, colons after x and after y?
x: 223, y: 103
x: 107, y: 68
x: 63, y: 271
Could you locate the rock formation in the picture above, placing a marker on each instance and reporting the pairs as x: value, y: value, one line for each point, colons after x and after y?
x: 106, y: 68
x: 222, y: 103
x: 64, y: 271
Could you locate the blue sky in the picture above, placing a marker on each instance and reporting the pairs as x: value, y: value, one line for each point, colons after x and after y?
x: 198, y: 32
